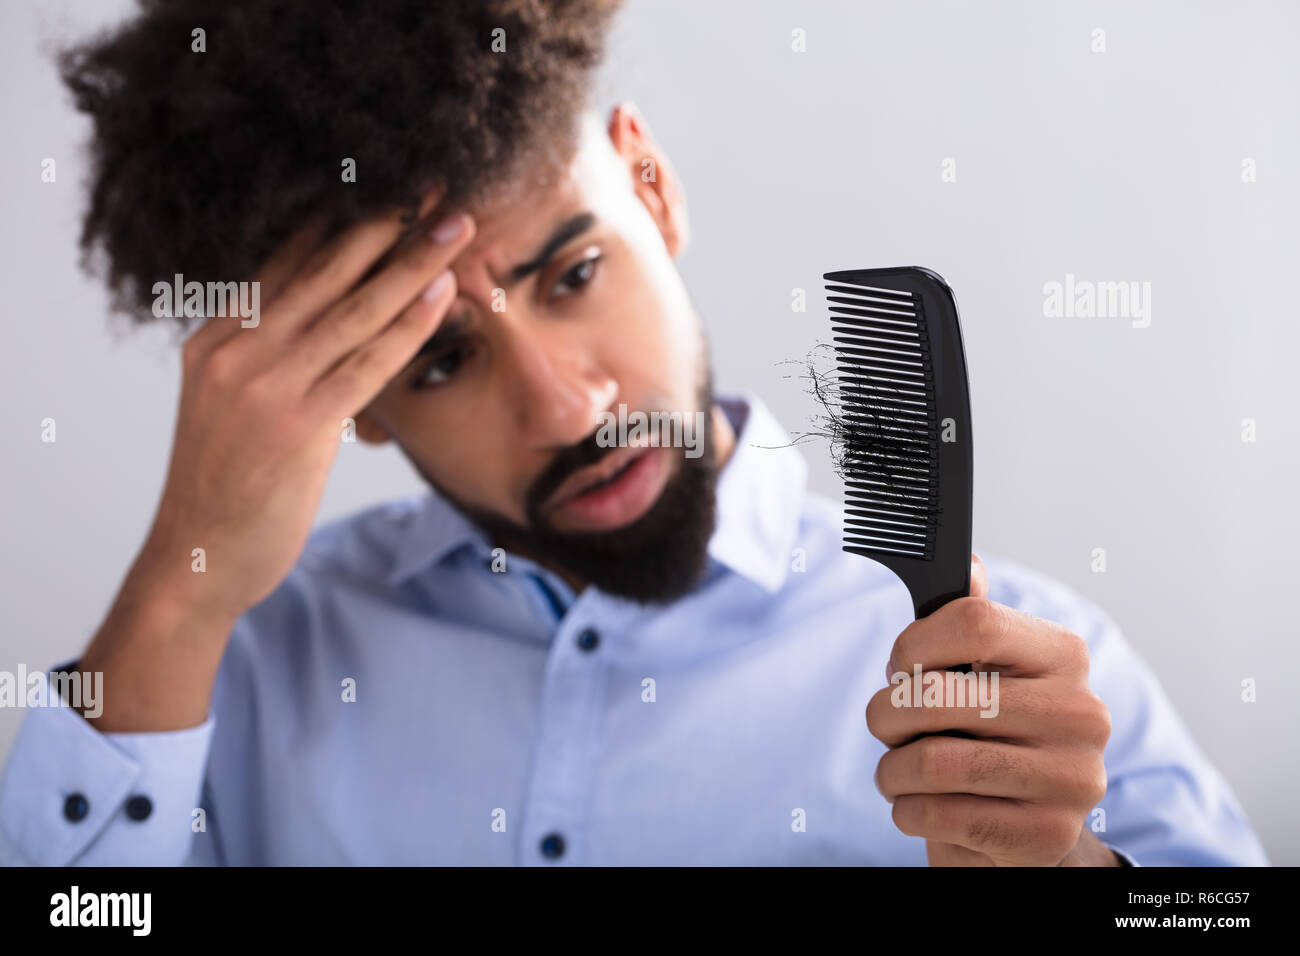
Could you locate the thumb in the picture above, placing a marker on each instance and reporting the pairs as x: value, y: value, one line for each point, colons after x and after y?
x: 979, y: 581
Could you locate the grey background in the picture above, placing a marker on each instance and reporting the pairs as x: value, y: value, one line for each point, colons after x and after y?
x: 1123, y: 165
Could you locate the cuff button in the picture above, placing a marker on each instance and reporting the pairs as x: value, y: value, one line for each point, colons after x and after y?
x: 139, y: 807
x: 75, y: 807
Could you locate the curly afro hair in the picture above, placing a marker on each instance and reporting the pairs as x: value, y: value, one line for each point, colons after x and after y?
x: 204, y: 162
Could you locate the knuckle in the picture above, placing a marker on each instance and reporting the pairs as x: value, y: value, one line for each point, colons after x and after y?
x: 910, y: 814
x: 884, y: 774
x: 321, y: 264
x: 1081, y: 785
x: 293, y: 297
x: 984, y: 832
x: 1096, y: 720
x: 901, y: 652
x: 1084, y: 782
x: 1076, y: 650
x: 359, y: 372
x: 1060, y: 835
x: 348, y: 380
x: 350, y: 311
x: 222, y: 368
x: 984, y: 622
x: 972, y: 615
x: 877, y: 707
x: 364, y: 365
x: 259, y: 391
x: 933, y: 761
x: 191, y: 353
x: 990, y: 764
x: 1097, y: 784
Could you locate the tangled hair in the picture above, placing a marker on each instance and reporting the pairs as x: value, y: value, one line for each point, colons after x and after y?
x: 204, y: 162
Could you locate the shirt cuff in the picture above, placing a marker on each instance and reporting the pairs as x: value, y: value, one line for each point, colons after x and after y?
x: 69, y: 793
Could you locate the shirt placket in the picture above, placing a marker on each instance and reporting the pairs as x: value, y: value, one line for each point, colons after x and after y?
x: 571, y: 720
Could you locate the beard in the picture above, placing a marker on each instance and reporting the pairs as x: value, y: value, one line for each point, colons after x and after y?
x: 658, y: 558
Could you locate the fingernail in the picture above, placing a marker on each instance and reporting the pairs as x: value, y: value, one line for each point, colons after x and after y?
x: 437, y: 287
x: 448, y: 229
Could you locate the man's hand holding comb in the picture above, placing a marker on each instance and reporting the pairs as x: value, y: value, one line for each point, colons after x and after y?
x: 1017, y: 788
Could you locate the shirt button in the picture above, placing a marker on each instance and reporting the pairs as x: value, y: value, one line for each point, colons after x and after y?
x: 588, y: 639
x: 552, y: 846
x: 76, y: 807
x: 139, y: 807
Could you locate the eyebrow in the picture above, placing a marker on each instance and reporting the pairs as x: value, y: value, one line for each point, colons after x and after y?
x: 453, y: 326
x: 562, y: 235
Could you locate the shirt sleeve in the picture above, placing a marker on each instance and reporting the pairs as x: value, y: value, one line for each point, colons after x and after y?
x: 1165, y: 803
x: 70, y: 795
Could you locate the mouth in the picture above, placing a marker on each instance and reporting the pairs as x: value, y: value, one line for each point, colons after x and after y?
x: 613, y: 492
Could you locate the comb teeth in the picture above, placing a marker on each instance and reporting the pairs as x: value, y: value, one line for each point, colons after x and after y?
x: 890, y: 418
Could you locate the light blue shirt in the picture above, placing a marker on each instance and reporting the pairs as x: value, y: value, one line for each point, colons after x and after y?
x: 497, y: 719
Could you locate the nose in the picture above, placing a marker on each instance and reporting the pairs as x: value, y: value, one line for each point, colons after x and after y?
x: 558, y: 390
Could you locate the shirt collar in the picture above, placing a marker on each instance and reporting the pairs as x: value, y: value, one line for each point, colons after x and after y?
x: 759, y: 500
x: 437, y: 531
x: 760, y: 496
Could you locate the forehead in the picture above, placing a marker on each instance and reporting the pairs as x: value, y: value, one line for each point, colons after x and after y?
x: 522, y: 213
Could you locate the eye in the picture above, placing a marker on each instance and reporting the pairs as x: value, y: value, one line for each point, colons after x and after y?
x: 443, y: 368
x: 577, y: 277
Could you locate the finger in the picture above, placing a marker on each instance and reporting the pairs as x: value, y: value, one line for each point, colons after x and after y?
x: 1008, y: 831
x: 360, y: 376
x: 289, y: 258
x: 989, y: 636
x: 982, y: 704
x: 332, y: 270
x: 212, y: 332
x: 946, y: 854
x: 271, y: 279
x: 371, y: 308
x: 982, y: 767
x: 979, y: 579
x: 1023, y: 710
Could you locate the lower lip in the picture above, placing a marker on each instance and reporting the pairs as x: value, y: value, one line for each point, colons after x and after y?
x: 620, y: 502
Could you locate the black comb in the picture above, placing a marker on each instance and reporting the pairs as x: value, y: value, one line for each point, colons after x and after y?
x: 905, y: 406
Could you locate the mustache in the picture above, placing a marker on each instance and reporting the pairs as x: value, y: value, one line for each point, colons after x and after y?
x: 571, y: 459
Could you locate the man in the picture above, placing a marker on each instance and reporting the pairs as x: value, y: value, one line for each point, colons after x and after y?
x: 568, y: 651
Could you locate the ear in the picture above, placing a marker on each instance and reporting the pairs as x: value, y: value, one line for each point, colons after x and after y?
x: 369, y: 430
x: 653, y: 178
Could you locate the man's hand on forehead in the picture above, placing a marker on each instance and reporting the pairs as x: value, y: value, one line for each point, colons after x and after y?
x: 414, y: 227
x: 263, y: 406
